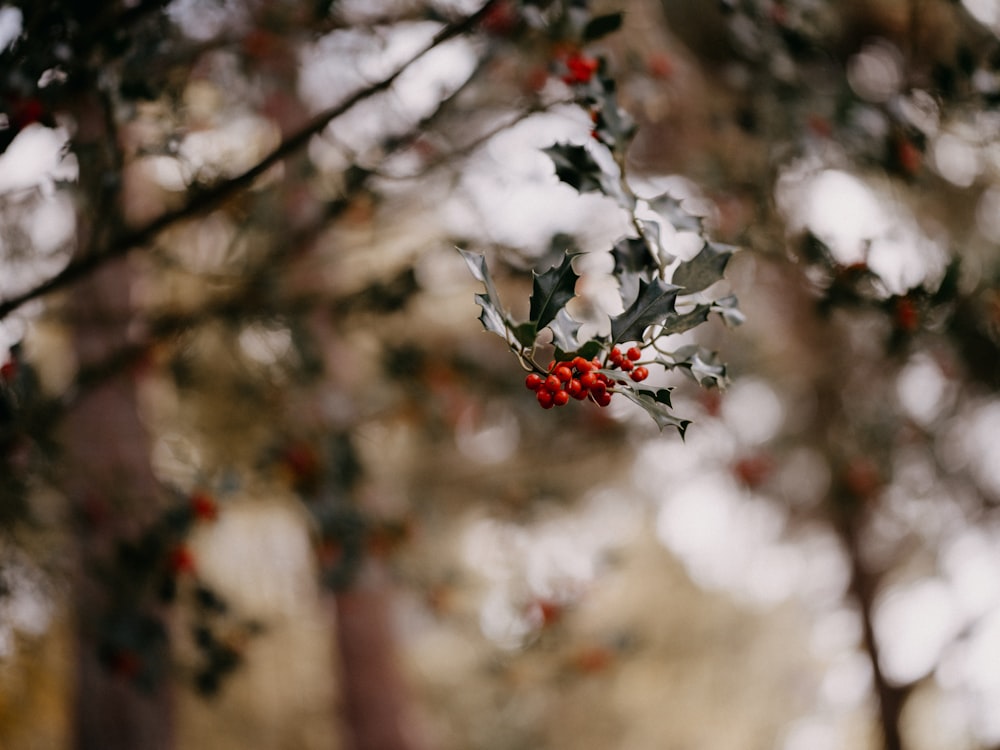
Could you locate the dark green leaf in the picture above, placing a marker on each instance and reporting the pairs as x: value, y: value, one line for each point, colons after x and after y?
x: 551, y: 291
x: 525, y: 333
x: 633, y: 263
x: 680, y: 322
x: 576, y: 166
x: 601, y: 26
x: 705, y: 268
x: 657, y: 405
x: 654, y: 302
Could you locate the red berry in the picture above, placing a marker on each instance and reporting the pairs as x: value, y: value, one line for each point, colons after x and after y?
x: 553, y: 384
x: 639, y: 374
x: 181, y: 560
x: 634, y: 353
x: 203, y: 506
x: 561, y: 398
x: 582, y: 365
x: 576, y: 389
x: 580, y: 69
x: 552, y: 364
x: 615, y: 355
x: 544, y: 399
x: 564, y: 373
x: 534, y: 381
x: 603, y: 399
x: 906, y: 314
x: 598, y: 389
x: 588, y: 380
x: 8, y: 371
x: 627, y: 365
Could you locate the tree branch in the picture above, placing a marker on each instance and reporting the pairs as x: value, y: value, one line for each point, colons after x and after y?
x: 210, y: 197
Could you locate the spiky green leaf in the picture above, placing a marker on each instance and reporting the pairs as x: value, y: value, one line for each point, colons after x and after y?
x: 705, y: 268
x: 601, y: 26
x: 657, y: 405
x: 655, y: 302
x: 551, y: 291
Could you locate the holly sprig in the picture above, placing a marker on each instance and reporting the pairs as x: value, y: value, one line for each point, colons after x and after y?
x: 661, y: 295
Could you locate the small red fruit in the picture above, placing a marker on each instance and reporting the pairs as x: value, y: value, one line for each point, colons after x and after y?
x: 582, y: 365
x: 575, y: 389
x: 534, y: 381
x: 553, y: 384
x: 564, y: 373
x: 544, y: 399
x: 626, y: 365
x: 561, y: 398
x: 906, y: 315
x: 203, y: 506
x: 181, y: 560
x: 602, y: 399
x: 579, y: 69
x: 634, y: 353
x: 615, y: 355
x: 8, y: 371
x: 639, y: 374
x: 588, y: 380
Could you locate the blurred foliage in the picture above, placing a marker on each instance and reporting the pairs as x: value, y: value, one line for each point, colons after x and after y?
x: 281, y: 382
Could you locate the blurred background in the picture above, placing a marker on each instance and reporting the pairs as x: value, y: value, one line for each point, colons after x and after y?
x: 266, y: 483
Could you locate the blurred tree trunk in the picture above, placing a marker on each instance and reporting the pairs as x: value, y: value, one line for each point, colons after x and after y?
x: 374, y: 696
x: 107, y: 472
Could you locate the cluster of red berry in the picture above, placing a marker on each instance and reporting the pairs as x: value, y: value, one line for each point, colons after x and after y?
x: 579, y: 69
x: 580, y: 379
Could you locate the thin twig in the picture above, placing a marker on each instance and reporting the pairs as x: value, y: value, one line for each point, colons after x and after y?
x: 210, y: 197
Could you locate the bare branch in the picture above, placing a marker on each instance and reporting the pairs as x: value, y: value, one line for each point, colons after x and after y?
x: 208, y: 198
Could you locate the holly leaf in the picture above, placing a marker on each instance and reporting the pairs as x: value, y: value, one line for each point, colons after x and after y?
x: 657, y: 405
x: 564, y: 332
x: 477, y: 265
x: 670, y: 209
x: 601, y: 26
x: 702, y: 365
x: 705, y: 268
x: 654, y: 302
x: 728, y: 309
x: 633, y: 262
x: 578, y: 168
x: 493, y: 317
x: 680, y: 322
x: 550, y: 291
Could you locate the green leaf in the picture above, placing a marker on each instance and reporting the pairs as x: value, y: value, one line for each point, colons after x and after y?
x: 655, y: 302
x: 633, y: 263
x: 564, y: 332
x: 477, y: 265
x: 576, y: 166
x: 670, y: 209
x: 680, y: 322
x: 705, y: 268
x: 492, y: 318
x: 551, y: 291
x: 588, y: 350
x: 728, y: 308
x: 657, y: 405
x: 601, y: 26
x: 702, y: 365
